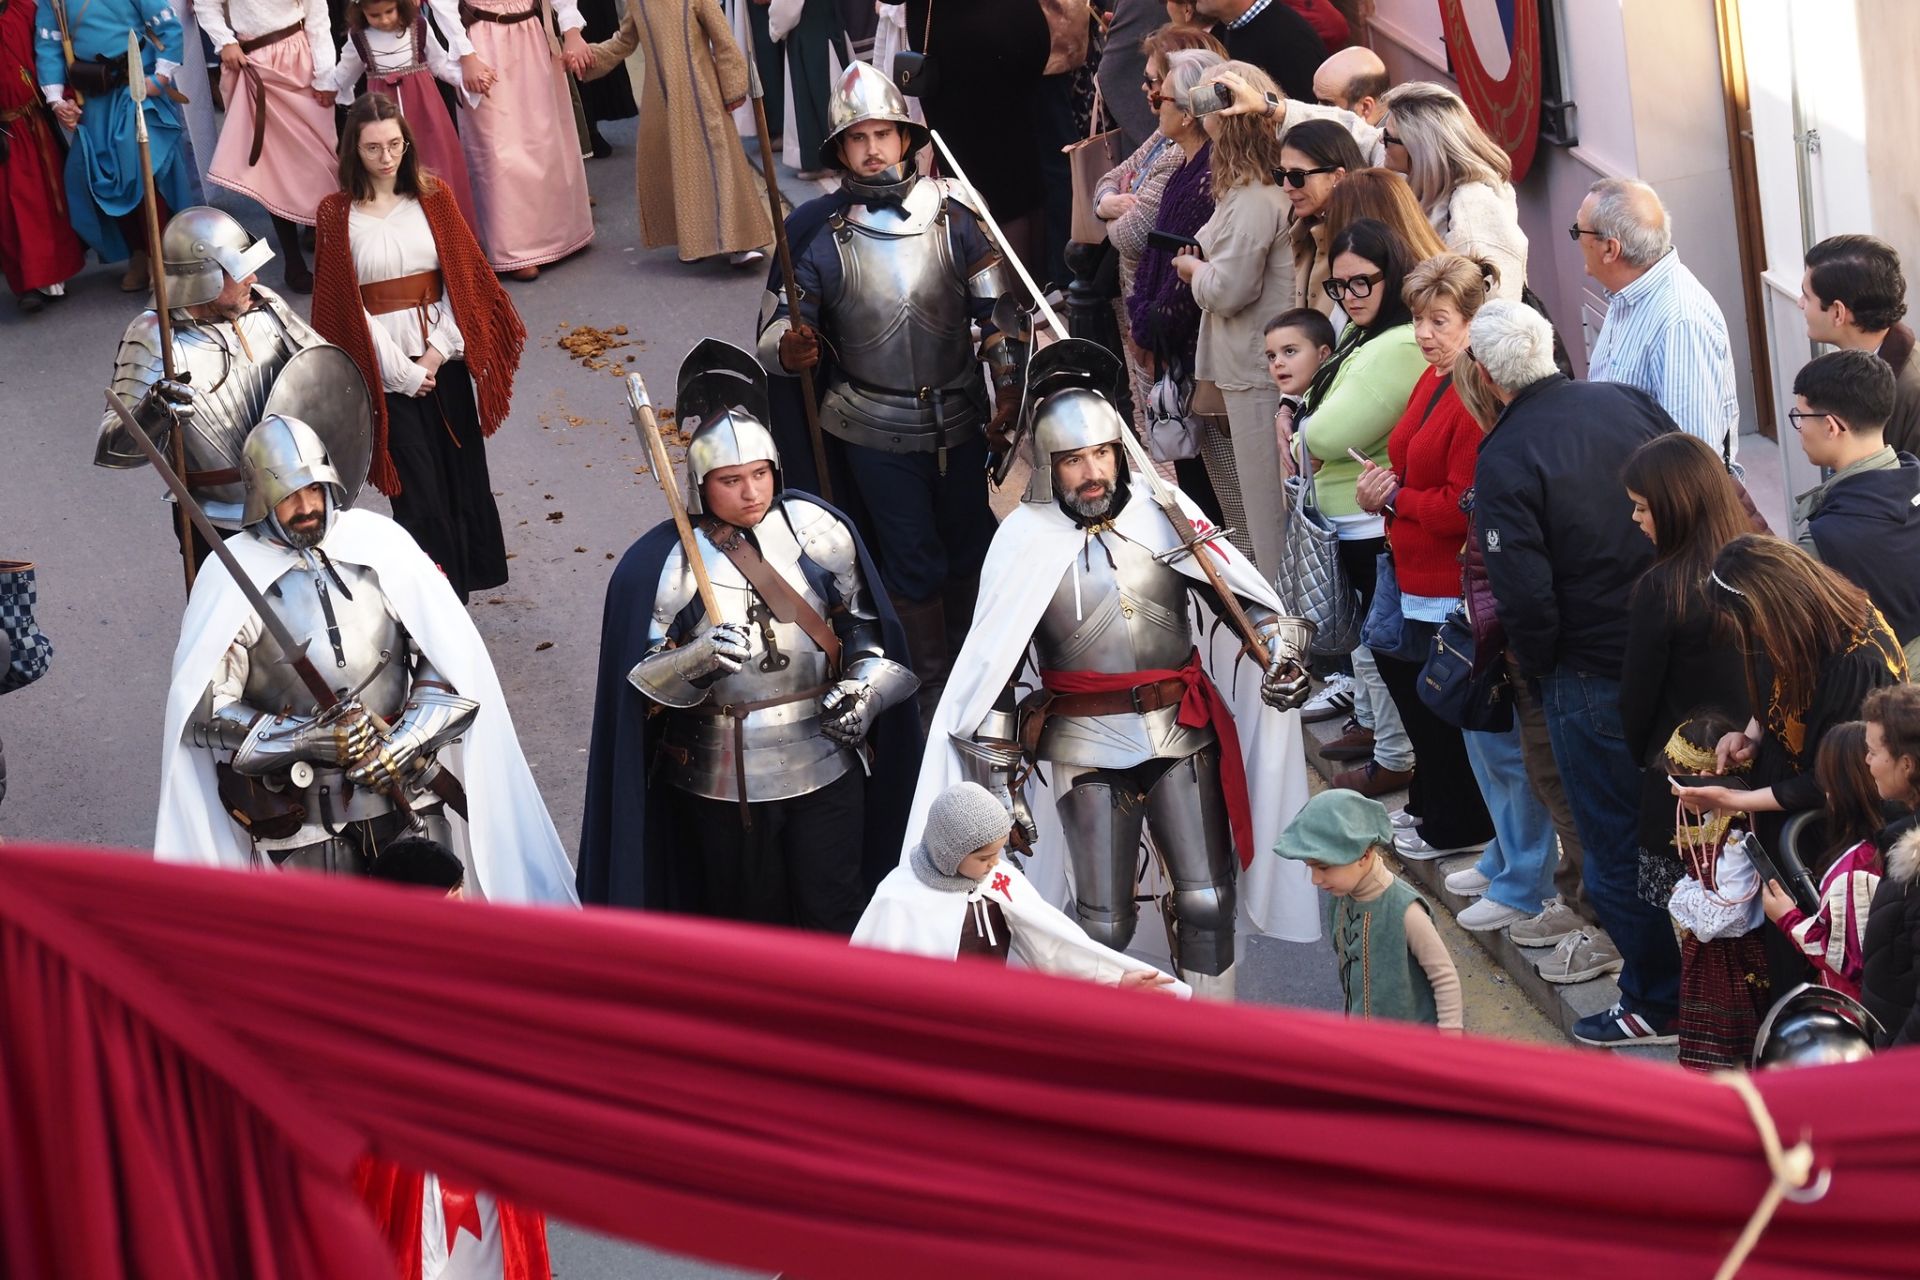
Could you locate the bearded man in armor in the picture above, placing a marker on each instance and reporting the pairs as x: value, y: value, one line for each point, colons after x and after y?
x: 232, y: 337
x: 257, y: 773
x: 755, y: 765
x: 1139, y: 718
x: 893, y: 271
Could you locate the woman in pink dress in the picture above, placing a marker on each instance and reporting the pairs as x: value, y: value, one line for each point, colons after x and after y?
x: 522, y: 151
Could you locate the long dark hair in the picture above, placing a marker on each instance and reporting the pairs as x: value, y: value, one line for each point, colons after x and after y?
x: 371, y: 108
x: 1792, y: 614
x: 1382, y: 247
x: 1853, y: 802
x: 1695, y: 513
x: 1325, y: 142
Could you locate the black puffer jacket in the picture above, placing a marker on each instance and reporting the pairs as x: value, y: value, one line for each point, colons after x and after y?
x: 1890, y: 987
x: 1868, y: 528
x: 1554, y: 525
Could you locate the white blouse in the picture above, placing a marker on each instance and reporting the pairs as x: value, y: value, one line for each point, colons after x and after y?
x: 228, y: 21
x: 401, y: 244
x: 393, y: 51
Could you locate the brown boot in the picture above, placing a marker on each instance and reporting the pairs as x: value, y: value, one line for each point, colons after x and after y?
x: 1370, y: 779
x: 139, y: 276
x: 925, y: 622
x: 1355, y: 743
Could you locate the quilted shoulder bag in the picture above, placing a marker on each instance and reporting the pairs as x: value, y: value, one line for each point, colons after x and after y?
x: 1312, y: 584
x: 1173, y: 428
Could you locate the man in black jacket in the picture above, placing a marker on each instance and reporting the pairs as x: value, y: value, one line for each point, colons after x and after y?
x: 1271, y: 36
x: 1864, y: 520
x: 1562, y: 556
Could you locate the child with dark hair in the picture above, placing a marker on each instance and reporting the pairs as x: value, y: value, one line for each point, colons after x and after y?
x: 1724, y: 985
x: 1833, y: 936
x: 1298, y: 343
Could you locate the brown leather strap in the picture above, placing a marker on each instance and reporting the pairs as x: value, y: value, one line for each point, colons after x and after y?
x: 470, y: 15
x: 272, y: 37
x: 1139, y: 699
x: 257, y: 88
x: 787, y: 604
x: 413, y: 293
x: 209, y: 479
x: 738, y: 713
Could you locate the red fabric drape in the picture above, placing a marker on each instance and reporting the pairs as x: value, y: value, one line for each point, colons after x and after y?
x: 184, y: 1053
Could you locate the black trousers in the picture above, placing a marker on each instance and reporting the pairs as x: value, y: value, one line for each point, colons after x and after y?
x: 1443, y: 791
x: 932, y: 528
x: 798, y: 864
x: 446, y: 496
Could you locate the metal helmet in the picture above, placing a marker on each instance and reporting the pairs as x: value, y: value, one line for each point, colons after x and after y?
x: 322, y: 387
x: 200, y: 248
x: 281, y: 457
x: 1814, y: 1027
x: 1069, y: 404
x: 864, y: 93
x: 721, y: 402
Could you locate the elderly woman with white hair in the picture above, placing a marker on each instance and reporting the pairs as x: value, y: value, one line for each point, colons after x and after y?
x: 1562, y: 557
x: 1460, y: 176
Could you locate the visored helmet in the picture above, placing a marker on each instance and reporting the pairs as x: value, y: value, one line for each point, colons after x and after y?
x: 1069, y: 404
x: 722, y: 406
x: 1814, y: 1027
x: 200, y: 248
x: 864, y: 93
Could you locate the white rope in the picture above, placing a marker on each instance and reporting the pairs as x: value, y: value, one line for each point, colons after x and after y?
x: 1792, y: 1168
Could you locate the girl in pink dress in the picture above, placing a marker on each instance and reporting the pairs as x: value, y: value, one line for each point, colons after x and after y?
x: 388, y: 43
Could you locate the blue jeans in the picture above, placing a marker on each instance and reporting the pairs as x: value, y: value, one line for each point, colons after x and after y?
x: 1603, y: 789
x: 1520, y: 860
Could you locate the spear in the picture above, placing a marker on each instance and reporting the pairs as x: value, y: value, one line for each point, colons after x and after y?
x: 784, y: 252
x: 642, y: 410
x: 156, y: 268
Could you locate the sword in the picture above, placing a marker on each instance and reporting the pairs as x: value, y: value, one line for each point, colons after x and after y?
x: 784, y: 252
x: 642, y: 410
x: 156, y: 268
x: 294, y: 652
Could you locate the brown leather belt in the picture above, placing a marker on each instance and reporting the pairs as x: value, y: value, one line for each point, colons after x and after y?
x: 211, y: 479
x: 470, y: 15
x: 1042, y: 705
x: 416, y: 292
x: 272, y: 37
x: 738, y: 713
x: 257, y: 88
x: 783, y: 601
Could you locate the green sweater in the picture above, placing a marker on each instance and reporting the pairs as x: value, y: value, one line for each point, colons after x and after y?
x: 1359, y: 410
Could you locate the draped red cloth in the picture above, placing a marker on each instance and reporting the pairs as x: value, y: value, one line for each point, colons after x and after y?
x: 1200, y: 705
x: 192, y: 1061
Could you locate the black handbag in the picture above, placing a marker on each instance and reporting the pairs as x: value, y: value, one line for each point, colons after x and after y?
x: 917, y: 75
x: 1478, y: 701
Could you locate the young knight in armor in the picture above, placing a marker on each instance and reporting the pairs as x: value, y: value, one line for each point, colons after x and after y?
x: 1393, y: 962
x: 892, y: 269
x: 254, y: 774
x: 232, y: 339
x: 954, y: 897
x: 729, y: 773
x: 402, y: 285
x: 1089, y: 582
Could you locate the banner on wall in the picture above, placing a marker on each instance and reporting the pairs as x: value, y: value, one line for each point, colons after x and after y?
x: 1498, y: 67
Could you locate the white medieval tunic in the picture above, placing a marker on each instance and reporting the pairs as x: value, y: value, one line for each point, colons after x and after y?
x: 297, y: 162
x: 1033, y: 550
x: 909, y: 915
x: 509, y: 846
x: 386, y: 248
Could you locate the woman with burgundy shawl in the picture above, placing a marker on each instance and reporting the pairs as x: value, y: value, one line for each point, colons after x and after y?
x: 402, y: 285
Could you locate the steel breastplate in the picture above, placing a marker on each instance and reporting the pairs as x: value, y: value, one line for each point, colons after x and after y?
x: 785, y: 754
x: 371, y: 652
x: 899, y: 320
x: 230, y: 380
x: 1118, y: 609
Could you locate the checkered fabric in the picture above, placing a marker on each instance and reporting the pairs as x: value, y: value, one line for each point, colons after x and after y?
x: 31, y: 650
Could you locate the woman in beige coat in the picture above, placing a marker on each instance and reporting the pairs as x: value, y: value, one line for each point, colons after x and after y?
x: 696, y: 189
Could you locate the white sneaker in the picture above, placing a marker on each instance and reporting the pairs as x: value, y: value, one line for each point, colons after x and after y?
x: 1334, y: 699
x: 1487, y: 915
x: 1403, y: 821
x: 746, y: 257
x: 1468, y: 882
x: 1409, y: 844
x: 1580, y: 957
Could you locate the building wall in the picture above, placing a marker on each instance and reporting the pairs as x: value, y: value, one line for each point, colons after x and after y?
x: 1889, y: 35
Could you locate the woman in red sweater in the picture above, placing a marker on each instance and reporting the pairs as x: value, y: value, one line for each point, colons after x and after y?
x: 1432, y: 452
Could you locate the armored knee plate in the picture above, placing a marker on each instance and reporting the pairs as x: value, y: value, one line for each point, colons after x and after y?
x: 1101, y: 820
x: 1188, y: 813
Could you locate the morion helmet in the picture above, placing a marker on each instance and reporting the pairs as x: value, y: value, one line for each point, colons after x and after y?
x: 863, y: 93
x: 1814, y: 1027
x: 722, y: 406
x: 198, y: 246
x: 1069, y: 404
x: 281, y: 457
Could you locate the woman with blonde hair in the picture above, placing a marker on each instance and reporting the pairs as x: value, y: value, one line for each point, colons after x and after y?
x: 1238, y: 280
x: 1460, y: 176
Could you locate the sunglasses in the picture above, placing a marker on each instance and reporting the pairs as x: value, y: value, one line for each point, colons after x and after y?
x: 1388, y: 139
x: 1355, y: 286
x: 1297, y: 178
x: 1575, y: 231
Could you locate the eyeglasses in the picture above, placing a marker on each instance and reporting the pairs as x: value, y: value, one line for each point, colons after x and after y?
x: 1387, y: 139
x: 1795, y: 415
x: 1356, y: 286
x: 1575, y: 231
x: 1150, y: 82
x: 1297, y: 178
x: 397, y: 147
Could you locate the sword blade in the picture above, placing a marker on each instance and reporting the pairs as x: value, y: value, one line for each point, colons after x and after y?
x: 999, y: 236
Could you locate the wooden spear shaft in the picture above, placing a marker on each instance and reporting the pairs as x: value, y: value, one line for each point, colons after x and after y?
x: 642, y: 409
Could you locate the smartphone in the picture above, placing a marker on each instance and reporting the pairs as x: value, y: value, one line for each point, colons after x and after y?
x: 1172, y: 243
x: 1784, y: 871
x: 1705, y: 780
x: 1209, y: 98
x: 1359, y: 457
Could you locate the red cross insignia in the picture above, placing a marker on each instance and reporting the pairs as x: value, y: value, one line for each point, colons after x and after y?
x: 1206, y: 531
x: 1000, y: 882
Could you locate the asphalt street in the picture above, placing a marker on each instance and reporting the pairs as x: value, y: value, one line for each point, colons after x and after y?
x: 83, y: 745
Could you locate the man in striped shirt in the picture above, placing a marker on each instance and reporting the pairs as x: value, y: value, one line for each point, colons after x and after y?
x: 1664, y: 332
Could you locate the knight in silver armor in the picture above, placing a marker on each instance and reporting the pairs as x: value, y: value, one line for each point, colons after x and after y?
x: 231, y: 339
x: 766, y: 709
x: 318, y: 790
x: 1111, y: 724
x: 893, y: 279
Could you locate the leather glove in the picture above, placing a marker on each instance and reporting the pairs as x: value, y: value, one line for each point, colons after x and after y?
x: 848, y: 709
x: 799, y: 348
x: 1285, y: 685
x: 999, y: 427
x: 168, y: 403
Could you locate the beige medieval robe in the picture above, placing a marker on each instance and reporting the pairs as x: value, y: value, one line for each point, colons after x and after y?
x: 696, y: 189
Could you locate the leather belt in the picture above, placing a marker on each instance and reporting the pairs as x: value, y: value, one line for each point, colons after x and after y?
x: 257, y: 88
x: 738, y: 713
x: 272, y: 37
x: 470, y: 15
x: 210, y: 479
x: 416, y: 292
x: 788, y: 605
x: 1043, y: 705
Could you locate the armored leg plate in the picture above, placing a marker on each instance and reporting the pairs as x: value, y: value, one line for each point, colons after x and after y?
x: 1101, y: 816
x: 1187, y: 812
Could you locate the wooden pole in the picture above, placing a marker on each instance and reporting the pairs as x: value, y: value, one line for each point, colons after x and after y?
x: 642, y: 409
